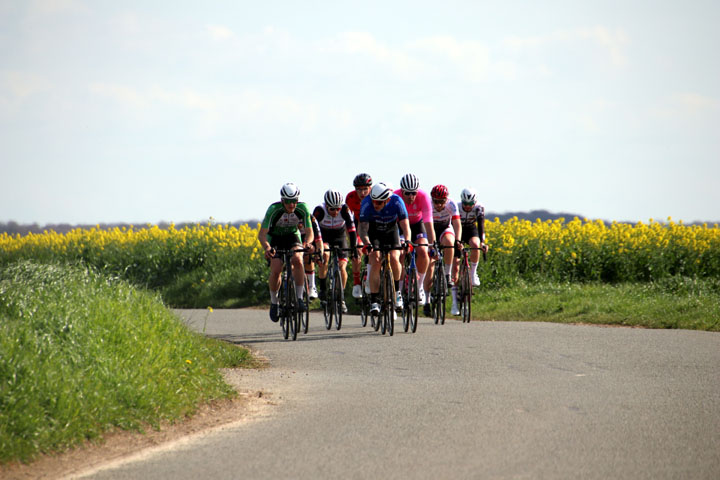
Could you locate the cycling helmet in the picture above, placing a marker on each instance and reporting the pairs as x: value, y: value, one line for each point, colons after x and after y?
x: 409, y: 183
x: 333, y: 199
x: 468, y: 196
x: 289, y: 191
x: 439, y: 192
x: 380, y: 192
x: 362, y: 180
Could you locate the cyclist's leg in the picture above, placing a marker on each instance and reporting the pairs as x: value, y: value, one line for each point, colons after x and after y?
x: 474, y: 259
x: 448, y: 240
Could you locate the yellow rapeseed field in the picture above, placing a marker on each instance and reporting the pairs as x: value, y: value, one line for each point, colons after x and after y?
x: 568, y: 250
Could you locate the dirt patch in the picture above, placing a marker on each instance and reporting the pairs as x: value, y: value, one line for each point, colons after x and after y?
x: 119, y: 445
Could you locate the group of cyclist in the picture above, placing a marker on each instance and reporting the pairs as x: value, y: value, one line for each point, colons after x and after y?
x: 368, y: 217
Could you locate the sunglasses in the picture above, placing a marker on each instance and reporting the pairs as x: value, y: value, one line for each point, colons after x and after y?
x: 409, y: 194
x: 289, y: 202
x: 439, y: 201
x: 333, y: 209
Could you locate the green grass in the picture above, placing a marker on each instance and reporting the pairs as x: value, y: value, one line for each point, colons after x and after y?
x: 82, y: 353
x: 675, y: 302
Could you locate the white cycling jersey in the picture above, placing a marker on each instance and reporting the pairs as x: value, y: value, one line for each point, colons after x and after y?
x: 445, y: 215
x: 471, y: 217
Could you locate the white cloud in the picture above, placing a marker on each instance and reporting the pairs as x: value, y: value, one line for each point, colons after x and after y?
x: 220, y: 32
x: 612, y: 41
x: 363, y: 43
x: 695, y: 102
x: 50, y: 7
x: 20, y: 85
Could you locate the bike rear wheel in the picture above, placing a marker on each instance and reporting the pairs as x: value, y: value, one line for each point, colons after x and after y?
x: 466, y: 299
x: 305, y: 316
x: 283, y: 311
x: 414, y: 302
x: 338, y: 298
x: 364, y: 300
x: 390, y: 302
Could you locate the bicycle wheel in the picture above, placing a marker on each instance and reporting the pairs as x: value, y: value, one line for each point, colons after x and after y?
x: 442, y: 296
x: 435, y: 296
x: 406, y: 303
x: 293, y: 313
x: 364, y: 300
x: 283, y: 310
x: 305, y: 318
x: 390, y: 310
x: 465, y: 306
x: 327, y: 304
x: 413, y: 298
x: 338, y: 297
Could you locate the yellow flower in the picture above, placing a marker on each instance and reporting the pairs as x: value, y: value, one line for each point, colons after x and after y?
x: 210, y: 309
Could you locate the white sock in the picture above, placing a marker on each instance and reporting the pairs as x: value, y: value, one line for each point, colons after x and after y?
x: 273, y: 297
x: 421, y: 280
x: 311, y: 279
x: 473, y: 268
x: 454, y: 295
x: 299, y: 290
x: 446, y: 268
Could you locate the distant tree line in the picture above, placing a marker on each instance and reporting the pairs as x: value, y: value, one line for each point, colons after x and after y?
x: 13, y: 227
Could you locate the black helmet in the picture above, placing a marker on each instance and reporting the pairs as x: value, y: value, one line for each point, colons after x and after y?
x: 362, y: 180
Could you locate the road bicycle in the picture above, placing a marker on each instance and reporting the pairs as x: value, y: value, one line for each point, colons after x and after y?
x: 334, y: 293
x: 385, y: 319
x: 410, y: 289
x: 289, y: 314
x: 439, y: 287
x: 465, y: 285
x: 364, y: 299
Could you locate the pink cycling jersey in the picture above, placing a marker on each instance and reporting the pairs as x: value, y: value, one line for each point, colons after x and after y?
x: 420, y: 210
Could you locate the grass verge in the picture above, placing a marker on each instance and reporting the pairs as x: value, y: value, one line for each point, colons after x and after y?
x: 675, y: 302
x: 82, y: 353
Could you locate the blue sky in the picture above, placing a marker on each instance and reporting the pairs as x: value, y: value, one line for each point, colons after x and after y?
x: 141, y: 111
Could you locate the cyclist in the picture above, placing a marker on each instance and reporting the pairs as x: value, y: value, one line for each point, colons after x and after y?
x: 308, y: 258
x: 448, y: 228
x: 281, y: 228
x: 362, y: 183
x: 335, y: 220
x: 381, y: 214
x: 472, y: 218
x: 420, y: 217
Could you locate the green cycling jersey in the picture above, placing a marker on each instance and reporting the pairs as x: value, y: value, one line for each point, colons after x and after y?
x: 280, y: 223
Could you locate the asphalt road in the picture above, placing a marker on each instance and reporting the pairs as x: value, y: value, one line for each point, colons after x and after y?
x: 480, y: 400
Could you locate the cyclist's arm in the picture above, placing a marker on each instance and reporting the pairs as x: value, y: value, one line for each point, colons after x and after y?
x: 404, y: 225
x: 457, y: 227
x: 363, y: 229
x: 430, y: 229
x: 262, y: 238
x: 481, y: 227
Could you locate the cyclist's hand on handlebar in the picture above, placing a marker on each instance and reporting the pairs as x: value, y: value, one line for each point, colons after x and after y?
x: 367, y: 249
x: 484, y: 247
x: 458, y: 245
x: 269, y: 253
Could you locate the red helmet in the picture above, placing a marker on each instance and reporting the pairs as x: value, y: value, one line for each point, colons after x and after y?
x: 440, y: 192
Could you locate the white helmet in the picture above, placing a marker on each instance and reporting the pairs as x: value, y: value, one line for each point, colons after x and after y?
x: 380, y: 192
x: 289, y: 191
x: 333, y: 199
x: 409, y: 183
x: 468, y: 196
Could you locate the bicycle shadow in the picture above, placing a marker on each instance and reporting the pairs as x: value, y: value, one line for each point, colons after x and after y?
x: 314, y: 334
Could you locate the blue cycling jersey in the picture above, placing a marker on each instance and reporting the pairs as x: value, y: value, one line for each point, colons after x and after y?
x: 387, y: 218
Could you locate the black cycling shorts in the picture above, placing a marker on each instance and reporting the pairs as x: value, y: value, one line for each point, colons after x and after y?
x: 284, y: 242
x: 385, y: 239
x: 336, y: 237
